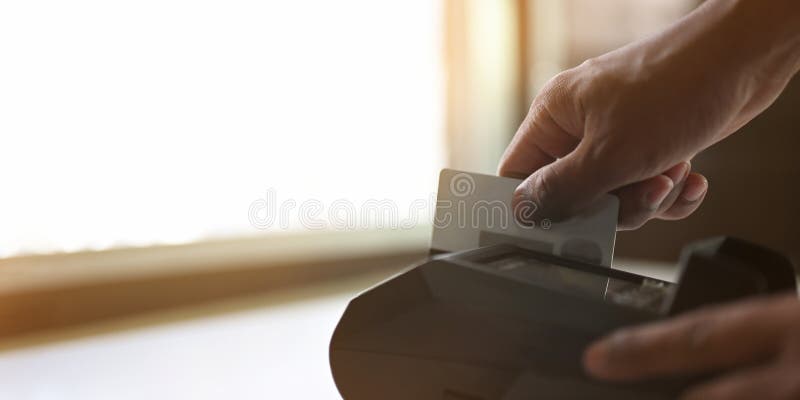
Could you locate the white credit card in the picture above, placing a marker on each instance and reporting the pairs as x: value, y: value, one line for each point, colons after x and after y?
x: 474, y: 210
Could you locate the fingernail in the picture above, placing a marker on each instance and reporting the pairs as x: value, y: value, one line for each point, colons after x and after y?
x: 524, y: 206
x: 694, y: 193
x: 522, y: 192
x: 655, y: 198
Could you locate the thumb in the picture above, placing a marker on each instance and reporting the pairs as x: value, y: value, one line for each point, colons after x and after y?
x: 563, y: 188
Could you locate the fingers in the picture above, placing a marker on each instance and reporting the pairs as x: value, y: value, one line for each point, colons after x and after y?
x: 678, y: 174
x: 638, y: 203
x: 693, y: 193
x: 675, y: 194
x: 767, y: 383
x: 539, y: 141
x: 566, y: 186
x: 704, y: 340
x: 564, y: 174
x: 546, y: 153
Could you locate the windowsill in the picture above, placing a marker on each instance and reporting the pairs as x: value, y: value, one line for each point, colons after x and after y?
x: 52, y: 291
x: 36, y: 272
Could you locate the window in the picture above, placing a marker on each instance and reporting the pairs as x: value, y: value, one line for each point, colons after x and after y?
x: 130, y: 124
x: 134, y: 123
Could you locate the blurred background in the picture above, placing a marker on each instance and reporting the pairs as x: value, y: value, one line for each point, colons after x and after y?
x: 157, y: 154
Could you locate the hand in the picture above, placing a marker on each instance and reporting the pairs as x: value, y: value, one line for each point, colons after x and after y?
x: 630, y: 121
x: 757, y: 341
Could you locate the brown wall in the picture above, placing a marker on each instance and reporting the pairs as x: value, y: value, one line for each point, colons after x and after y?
x: 754, y: 179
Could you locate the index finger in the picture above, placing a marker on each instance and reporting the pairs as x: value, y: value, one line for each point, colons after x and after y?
x: 539, y: 141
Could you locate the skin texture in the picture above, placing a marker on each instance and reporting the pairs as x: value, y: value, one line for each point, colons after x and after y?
x: 629, y: 122
x: 758, y: 341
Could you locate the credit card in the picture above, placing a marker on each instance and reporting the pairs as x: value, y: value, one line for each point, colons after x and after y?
x: 474, y: 210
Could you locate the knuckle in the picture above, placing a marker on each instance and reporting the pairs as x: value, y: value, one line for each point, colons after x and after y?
x: 555, y: 91
x: 558, y: 82
x: 590, y: 63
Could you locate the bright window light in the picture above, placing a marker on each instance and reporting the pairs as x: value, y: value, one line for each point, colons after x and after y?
x: 136, y: 123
